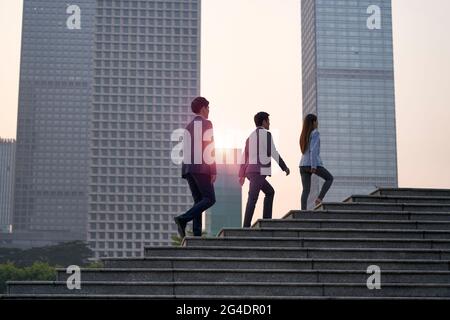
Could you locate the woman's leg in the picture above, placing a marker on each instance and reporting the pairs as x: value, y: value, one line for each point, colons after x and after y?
x: 306, y: 183
x: 326, y: 175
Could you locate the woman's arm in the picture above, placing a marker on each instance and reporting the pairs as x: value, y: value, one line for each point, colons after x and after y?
x: 314, y: 149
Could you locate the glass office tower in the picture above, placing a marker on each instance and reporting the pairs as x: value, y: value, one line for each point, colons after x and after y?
x: 7, y: 160
x: 227, y: 211
x: 103, y: 85
x: 348, y: 81
x: 53, y: 119
x: 146, y: 73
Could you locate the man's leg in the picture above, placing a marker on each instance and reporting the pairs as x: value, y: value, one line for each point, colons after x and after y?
x: 268, y: 199
x: 205, y: 188
x: 181, y: 220
x: 197, y: 225
x: 253, y: 193
x: 197, y: 196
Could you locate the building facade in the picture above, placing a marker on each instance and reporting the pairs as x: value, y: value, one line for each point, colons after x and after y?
x: 227, y: 211
x: 146, y: 73
x: 52, y: 157
x: 103, y: 85
x: 7, y: 160
x: 348, y: 81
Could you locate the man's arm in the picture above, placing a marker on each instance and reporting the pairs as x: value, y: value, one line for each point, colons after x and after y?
x: 210, y: 145
x: 276, y: 155
x: 244, y: 163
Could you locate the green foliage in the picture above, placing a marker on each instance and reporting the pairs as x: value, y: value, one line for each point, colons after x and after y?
x: 94, y: 265
x: 177, y: 241
x: 64, y: 254
x: 39, y: 264
x: 38, y: 271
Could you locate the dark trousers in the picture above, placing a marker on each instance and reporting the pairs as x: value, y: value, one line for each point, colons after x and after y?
x: 204, y: 197
x: 257, y: 183
x: 305, y: 173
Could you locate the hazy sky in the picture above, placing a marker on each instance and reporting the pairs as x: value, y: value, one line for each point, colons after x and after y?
x: 251, y: 61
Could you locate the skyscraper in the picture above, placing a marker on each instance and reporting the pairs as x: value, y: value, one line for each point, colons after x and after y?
x: 348, y: 81
x: 227, y: 212
x: 52, y: 157
x: 7, y: 160
x: 146, y: 72
x: 103, y: 85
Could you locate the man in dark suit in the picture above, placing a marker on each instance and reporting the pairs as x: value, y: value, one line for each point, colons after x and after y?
x: 256, y: 166
x: 198, y: 167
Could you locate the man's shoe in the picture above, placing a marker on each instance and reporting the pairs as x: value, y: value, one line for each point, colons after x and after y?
x: 181, y: 226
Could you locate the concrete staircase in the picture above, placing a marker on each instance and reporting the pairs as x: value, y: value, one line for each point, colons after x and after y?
x: 320, y: 254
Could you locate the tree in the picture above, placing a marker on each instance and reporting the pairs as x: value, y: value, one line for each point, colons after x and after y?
x: 38, y: 271
x: 19, y: 265
x: 64, y: 254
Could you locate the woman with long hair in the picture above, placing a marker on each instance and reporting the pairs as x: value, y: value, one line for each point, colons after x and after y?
x: 311, y: 163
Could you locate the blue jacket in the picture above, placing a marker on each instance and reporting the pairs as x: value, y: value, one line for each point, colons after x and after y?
x: 311, y: 157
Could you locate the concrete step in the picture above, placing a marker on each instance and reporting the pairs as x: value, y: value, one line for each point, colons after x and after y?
x: 254, y: 275
x: 397, y: 199
x: 353, y: 224
x: 318, y: 242
x: 374, y: 206
x: 334, y: 233
x: 367, y: 215
x: 176, y: 289
x: 203, y: 297
x: 308, y: 254
x: 115, y: 297
x: 411, y: 192
x: 272, y: 263
x: 314, y: 253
